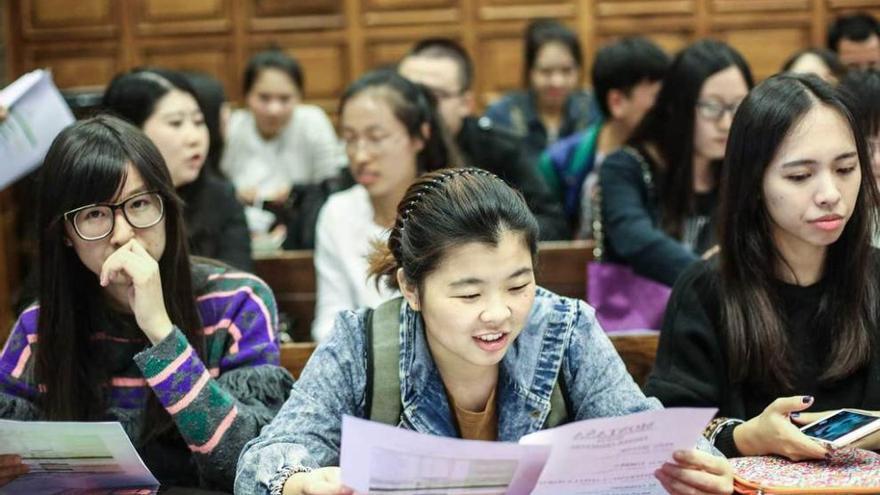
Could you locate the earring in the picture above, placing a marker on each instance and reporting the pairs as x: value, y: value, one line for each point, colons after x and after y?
x: 68, y: 242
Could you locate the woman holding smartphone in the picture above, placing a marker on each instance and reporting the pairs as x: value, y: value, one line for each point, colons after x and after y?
x: 785, y: 318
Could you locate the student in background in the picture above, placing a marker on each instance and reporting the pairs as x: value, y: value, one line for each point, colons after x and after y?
x: 626, y: 79
x: 819, y: 61
x: 392, y: 134
x: 444, y: 67
x: 785, y: 318
x: 659, y: 193
x: 278, y: 141
x: 864, y: 89
x: 215, y: 108
x: 462, y: 251
x: 856, y: 40
x: 127, y: 328
x: 164, y: 105
x: 553, y: 105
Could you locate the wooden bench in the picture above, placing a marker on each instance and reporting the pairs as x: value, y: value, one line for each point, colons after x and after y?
x: 294, y: 356
x: 562, y: 268
x: 291, y: 275
x: 637, y: 352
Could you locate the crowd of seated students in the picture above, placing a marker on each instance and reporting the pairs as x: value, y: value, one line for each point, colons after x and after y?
x: 758, y: 206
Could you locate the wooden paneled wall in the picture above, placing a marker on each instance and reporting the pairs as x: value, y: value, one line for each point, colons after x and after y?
x: 85, y: 42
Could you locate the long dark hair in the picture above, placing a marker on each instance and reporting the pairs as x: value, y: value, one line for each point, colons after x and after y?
x: 211, y: 98
x: 445, y: 209
x: 669, y: 125
x: 133, y: 95
x: 88, y: 163
x: 758, y: 347
x: 414, y: 107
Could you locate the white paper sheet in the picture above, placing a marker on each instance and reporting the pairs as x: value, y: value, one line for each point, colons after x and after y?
x: 37, y: 113
x: 616, y: 456
x: 72, y: 456
x: 378, y: 458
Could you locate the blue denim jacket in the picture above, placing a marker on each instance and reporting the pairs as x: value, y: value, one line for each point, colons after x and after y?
x: 561, y: 335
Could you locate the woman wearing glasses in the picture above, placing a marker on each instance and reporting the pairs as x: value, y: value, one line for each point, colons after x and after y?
x: 183, y: 353
x: 392, y: 134
x: 659, y: 192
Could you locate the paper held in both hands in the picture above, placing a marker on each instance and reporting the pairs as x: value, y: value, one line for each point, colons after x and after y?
x: 37, y: 113
x: 607, y: 456
x: 72, y: 458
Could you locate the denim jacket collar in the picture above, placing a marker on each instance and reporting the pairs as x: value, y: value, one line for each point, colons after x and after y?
x: 528, y: 372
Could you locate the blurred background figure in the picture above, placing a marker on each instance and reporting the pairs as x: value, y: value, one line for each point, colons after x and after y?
x: 444, y: 67
x: 278, y: 141
x: 166, y: 107
x: 553, y: 105
x: 856, y: 40
x: 819, y: 61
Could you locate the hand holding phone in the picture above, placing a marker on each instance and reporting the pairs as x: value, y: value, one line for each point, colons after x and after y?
x: 842, y: 428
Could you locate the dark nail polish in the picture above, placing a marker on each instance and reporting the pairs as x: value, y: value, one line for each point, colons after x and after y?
x: 794, y: 415
x: 807, y: 399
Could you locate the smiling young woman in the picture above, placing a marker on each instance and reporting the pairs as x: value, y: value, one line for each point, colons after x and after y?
x: 484, y: 347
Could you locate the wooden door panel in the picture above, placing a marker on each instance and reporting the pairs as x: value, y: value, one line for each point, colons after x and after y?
x: 58, y: 19
x: 767, y: 49
x: 287, y: 15
x: 76, y: 65
x: 499, y: 10
x: 211, y: 58
x: 169, y: 17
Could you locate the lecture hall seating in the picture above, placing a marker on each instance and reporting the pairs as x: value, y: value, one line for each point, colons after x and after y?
x: 561, y: 268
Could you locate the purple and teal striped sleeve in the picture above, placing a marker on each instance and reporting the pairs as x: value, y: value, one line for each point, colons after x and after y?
x: 220, y: 403
x: 17, y: 387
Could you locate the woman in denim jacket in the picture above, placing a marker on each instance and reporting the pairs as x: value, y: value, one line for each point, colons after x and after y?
x: 481, y: 346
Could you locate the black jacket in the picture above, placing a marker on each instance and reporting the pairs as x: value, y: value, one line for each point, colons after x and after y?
x: 215, y: 222
x: 631, y: 223
x: 500, y: 151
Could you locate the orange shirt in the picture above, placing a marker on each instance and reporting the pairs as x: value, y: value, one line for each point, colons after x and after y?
x: 477, y: 425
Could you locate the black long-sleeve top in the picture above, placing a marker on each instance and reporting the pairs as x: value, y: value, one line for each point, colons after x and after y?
x: 631, y: 222
x: 691, y: 368
x: 215, y: 222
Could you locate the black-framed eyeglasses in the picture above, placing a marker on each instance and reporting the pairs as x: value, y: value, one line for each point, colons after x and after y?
x: 96, y: 221
x: 714, y: 110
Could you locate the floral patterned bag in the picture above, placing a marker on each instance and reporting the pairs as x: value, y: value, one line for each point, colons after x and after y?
x: 848, y: 471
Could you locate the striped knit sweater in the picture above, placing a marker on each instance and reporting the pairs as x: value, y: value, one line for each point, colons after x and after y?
x: 218, y: 402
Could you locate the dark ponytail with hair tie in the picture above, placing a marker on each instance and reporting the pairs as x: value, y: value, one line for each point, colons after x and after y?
x: 447, y: 208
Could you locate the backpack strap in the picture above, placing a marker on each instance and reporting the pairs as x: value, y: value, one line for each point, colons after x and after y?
x: 383, y: 403
x: 558, y: 405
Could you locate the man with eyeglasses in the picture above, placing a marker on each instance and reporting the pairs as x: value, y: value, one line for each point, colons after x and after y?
x: 445, y: 68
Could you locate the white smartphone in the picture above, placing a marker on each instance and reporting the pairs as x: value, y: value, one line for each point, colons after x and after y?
x: 842, y: 428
